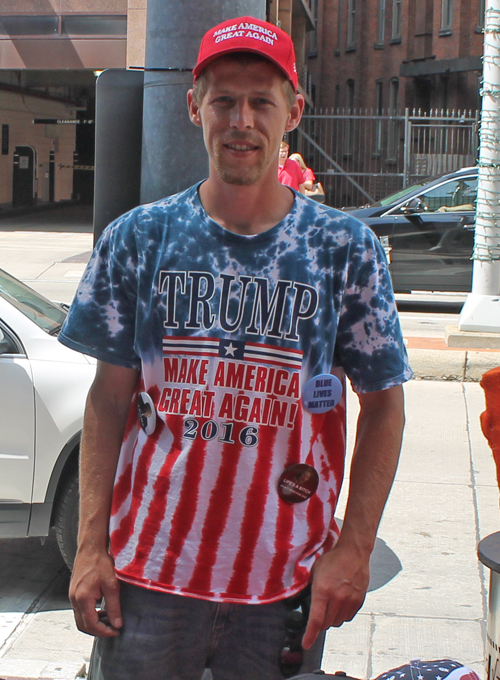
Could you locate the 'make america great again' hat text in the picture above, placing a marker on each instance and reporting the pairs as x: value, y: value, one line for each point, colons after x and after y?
x: 247, y: 34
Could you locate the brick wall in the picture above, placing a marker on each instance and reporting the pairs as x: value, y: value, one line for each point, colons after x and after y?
x: 420, y: 39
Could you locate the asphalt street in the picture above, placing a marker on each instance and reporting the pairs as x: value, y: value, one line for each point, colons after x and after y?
x: 428, y: 592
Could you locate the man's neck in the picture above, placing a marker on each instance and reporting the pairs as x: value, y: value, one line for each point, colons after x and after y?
x: 247, y: 210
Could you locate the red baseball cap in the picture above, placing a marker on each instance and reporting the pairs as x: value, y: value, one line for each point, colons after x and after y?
x: 247, y: 34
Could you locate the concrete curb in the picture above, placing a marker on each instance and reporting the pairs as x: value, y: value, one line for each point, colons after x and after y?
x: 461, y: 366
x: 6, y: 210
x: 467, y: 339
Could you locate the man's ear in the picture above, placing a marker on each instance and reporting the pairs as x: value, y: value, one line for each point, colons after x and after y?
x: 295, y: 113
x: 194, y: 109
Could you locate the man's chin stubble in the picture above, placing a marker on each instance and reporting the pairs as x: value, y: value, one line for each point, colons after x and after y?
x: 236, y: 176
x: 239, y: 178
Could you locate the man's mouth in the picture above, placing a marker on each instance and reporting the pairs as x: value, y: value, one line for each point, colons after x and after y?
x: 240, y: 147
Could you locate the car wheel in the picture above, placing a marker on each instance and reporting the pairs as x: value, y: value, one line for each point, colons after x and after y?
x: 66, y: 518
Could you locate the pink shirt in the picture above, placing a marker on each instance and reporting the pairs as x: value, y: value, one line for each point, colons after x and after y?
x: 309, y: 175
x: 291, y: 174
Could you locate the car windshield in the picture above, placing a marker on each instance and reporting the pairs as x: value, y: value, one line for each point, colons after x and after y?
x: 46, y: 314
x: 393, y: 198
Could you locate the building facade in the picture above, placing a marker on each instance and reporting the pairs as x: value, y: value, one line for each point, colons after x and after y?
x: 51, y: 52
x: 396, y: 54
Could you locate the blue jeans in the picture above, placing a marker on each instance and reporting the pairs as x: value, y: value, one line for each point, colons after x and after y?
x: 172, y: 637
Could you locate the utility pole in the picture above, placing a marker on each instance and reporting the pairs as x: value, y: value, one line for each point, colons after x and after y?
x: 173, y: 154
x: 481, y: 311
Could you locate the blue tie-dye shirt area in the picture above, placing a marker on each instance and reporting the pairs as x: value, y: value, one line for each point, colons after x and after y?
x: 317, y: 282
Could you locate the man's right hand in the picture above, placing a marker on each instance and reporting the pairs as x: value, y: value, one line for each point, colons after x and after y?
x: 108, y: 406
x: 94, y: 578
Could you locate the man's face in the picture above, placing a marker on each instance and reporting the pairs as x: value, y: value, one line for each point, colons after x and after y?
x: 284, y: 154
x: 244, y: 115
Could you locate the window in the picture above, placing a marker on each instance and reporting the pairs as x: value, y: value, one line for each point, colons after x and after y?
x: 444, y: 83
x: 393, y: 96
x: 94, y: 25
x: 393, y: 131
x: 350, y: 96
x: 348, y: 123
x: 458, y: 195
x: 7, y: 343
x: 380, y: 24
x: 29, y: 25
x: 55, y: 25
x: 446, y: 16
x: 351, y: 24
x: 46, y: 314
x: 396, y: 21
x: 313, y: 35
x: 339, y: 27
x: 379, y: 110
x: 5, y: 139
x: 480, y: 17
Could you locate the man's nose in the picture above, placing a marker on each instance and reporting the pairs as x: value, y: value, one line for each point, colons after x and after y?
x: 242, y: 115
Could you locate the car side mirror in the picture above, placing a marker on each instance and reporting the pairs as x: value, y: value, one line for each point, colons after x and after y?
x: 414, y: 205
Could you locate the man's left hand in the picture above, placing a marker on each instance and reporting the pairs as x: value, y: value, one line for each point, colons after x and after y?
x: 340, y: 580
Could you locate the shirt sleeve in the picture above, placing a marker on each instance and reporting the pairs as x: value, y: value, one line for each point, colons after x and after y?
x: 101, y: 320
x: 309, y: 175
x: 369, y: 344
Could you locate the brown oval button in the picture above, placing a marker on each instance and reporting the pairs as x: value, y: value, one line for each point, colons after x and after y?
x: 298, y: 483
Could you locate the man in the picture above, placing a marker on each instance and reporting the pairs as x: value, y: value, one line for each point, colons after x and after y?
x: 233, y: 309
x: 289, y: 171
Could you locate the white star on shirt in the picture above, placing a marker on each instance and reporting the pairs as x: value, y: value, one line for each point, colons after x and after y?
x: 230, y: 349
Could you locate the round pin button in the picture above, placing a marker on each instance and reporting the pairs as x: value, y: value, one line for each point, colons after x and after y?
x: 298, y: 483
x: 321, y: 393
x: 147, y: 412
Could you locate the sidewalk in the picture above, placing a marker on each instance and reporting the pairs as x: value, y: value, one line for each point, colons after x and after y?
x: 429, y: 593
x: 431, y: 359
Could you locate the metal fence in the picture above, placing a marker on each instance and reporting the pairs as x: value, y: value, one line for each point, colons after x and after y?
x: 361, y: 156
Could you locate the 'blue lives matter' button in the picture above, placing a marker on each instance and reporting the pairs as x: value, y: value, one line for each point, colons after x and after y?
x: 321, y: 393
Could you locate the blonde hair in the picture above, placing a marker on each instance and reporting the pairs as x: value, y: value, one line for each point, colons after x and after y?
x: 297, y: 157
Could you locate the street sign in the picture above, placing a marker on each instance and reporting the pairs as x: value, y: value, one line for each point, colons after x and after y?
x: 62, y: 121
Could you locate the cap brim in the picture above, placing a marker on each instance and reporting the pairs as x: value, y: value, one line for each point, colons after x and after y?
x: 203, y: 64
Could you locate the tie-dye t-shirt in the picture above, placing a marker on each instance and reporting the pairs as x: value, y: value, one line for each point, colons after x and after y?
x: 226, y: 330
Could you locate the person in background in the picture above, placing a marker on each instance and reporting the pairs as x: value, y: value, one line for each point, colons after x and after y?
x: 307, y: 173
x: 312, y: 189
x: 289, y: 171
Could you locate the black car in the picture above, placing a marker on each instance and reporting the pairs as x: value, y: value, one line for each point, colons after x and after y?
x: 427, y: 231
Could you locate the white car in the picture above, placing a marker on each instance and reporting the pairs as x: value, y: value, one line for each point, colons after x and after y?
x: 44, y: 386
